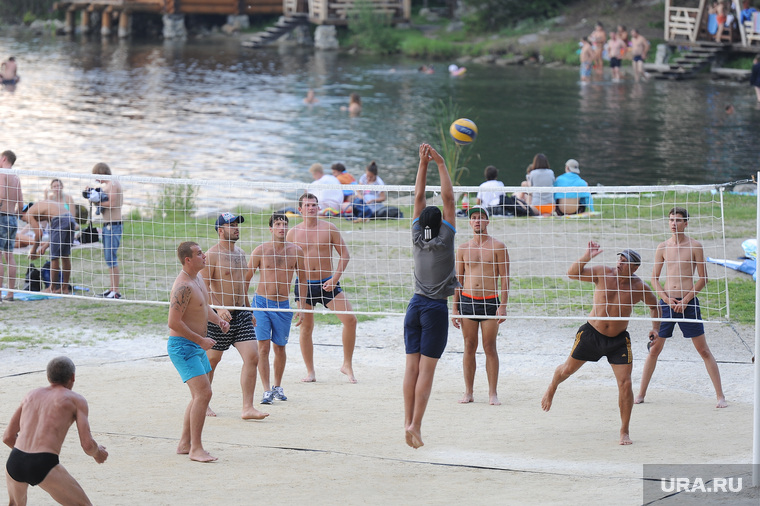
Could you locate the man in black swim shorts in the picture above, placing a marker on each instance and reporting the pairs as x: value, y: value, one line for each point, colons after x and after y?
x: 616, y: 290
x: 36, y: 442
x: 481, y: 263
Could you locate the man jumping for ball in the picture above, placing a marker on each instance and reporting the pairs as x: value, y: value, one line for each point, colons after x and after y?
x: 616, y: 291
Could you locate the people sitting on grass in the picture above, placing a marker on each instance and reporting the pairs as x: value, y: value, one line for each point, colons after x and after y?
x: 572, y: 202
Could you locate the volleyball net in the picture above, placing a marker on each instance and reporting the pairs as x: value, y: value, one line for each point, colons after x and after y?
x: 160, y: 213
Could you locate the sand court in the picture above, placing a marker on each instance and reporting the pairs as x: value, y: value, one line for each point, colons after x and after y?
x: 336, y: 442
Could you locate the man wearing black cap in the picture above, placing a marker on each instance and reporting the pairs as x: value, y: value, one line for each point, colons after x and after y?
x: 426, y: 324
x: 616, y: 291
x: 225, y: 277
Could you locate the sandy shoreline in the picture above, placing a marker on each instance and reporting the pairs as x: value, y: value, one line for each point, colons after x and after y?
x: 332, y: 441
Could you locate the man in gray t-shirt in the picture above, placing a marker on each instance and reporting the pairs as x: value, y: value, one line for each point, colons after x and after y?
x: 426, y: 324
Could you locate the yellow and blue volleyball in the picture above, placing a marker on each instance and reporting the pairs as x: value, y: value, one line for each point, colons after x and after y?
x: 463, y: 131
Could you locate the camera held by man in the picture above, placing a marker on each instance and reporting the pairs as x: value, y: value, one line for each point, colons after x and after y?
x: 96, y: 196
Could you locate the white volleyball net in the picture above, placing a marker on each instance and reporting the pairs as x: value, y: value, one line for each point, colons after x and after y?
x: 160, y: 213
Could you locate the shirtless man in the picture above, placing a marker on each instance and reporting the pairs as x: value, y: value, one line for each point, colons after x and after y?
x: 587, y: 60
x: 481, y: 263
x: 682, y: 256
x: 639, y: 50
x: 276, y: 260
x: 8, y: 71
x: 189, y: 314
x: 426, y: 324
x: 598, y: 37
x: 11, y: 203
x: 62, y: 227
x: 225, y: 274
x: 317, y: 238
x: 615, y: 48
x: 110, y: 209
x: 616, y: 291
x: 36, y: 433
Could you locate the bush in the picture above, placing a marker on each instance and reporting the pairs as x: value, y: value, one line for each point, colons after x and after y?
x: 419, y: 46
x: 15, y: 11
x: 371, y: 30
x: 565, y: 52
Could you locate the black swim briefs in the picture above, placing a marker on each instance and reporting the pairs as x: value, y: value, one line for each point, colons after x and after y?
x: 30, y: 468
x: 470, y: 306
x: 316, y: 294
x: 591, y: 345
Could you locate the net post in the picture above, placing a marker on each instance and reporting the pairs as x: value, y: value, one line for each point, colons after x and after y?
x: 756, y: 425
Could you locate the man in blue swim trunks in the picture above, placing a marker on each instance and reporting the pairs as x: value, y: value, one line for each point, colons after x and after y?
x: 36, y: 433
x: 681, y: 256
x: 189, y: 314
x: 426, y: 324
x: 225, y: 276
x: 616, y: 290
x: 317, y: 238
x: 276, y: 262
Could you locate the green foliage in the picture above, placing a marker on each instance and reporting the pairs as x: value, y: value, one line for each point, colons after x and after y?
x: 15, y: 11
x: 492, y: 15
x: 453, y: 154
x: 416, y: 45
x: 371, y: 30
x: 176, y: 199
x: 740, y: 62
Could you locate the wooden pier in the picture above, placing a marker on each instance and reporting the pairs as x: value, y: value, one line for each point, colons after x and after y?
x: 687, y: 21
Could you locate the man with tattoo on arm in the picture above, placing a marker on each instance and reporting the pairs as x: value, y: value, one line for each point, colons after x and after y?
x: 189, y: 312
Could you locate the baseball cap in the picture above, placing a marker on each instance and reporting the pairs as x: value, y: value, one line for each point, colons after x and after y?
x: 573, y: 165
x: 430, y: 222
x: 631, y: 256
x: 226, y: 219
x: 26, y: 207
x: 478, y: 209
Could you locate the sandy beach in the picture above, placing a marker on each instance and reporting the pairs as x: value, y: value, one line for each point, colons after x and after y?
x: 336, y: 442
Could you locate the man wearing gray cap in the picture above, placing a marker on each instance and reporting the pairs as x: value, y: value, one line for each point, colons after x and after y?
x: 572, y: 203
x: 616, y: 290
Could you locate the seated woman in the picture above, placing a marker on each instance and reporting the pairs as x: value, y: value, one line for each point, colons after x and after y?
x: 540, y: 175
x: 367, y: 202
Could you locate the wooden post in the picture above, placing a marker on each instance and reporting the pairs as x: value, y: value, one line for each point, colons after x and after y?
x: 106, y: 22
x: 738, y: 15
x: 698, y: 20
x: 70, y: 20
x: 123, y: 24
x: 407, y: 4
x: 85, y: 21
x: 667, y: 20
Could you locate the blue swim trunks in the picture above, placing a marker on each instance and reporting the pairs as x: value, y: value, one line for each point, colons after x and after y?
x: 8, y: 228
x: 274, y: 325
x: 689, y: 329
x: 426, y: 326
x: 188, y: 358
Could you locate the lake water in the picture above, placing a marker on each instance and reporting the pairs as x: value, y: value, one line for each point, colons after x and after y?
x: 213, y: 109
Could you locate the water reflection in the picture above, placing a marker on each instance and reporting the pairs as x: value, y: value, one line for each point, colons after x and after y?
x: 214, y: 109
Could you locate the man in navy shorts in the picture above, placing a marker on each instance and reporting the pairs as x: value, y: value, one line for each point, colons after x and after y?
x: 616, y: 290
x: 681, y: 256
x: 426, y: 324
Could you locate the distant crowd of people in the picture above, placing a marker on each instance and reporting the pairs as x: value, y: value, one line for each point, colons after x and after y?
x: 51, y: 225
x: 620, y: 46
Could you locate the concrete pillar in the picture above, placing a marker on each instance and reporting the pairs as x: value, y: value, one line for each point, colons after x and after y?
x: 124, y: 24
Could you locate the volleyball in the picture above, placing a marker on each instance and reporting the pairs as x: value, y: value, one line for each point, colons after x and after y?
x: 463, y: 131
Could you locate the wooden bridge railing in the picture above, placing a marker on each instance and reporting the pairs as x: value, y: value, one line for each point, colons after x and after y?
x: 682, y: 21
x: 338, y: 11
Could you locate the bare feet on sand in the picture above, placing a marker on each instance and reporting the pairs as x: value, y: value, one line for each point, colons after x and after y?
x: 210, y: 412
x: 309, y: 378
x: 639, y: 399
x: 414, y: 437
x: 202, y: 456
x: 493, y: 400
x: 253, y: 414
x: 183, y: 449
x: 8, y: 297
x: 546, y: 400
x: 466, y: 398
x: 625, y: 439
x: 722, y: 403
x: 348, y: 371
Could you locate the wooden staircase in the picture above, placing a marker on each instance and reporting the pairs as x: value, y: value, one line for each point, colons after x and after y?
x: 691, y: 63
x: 285, y: 25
